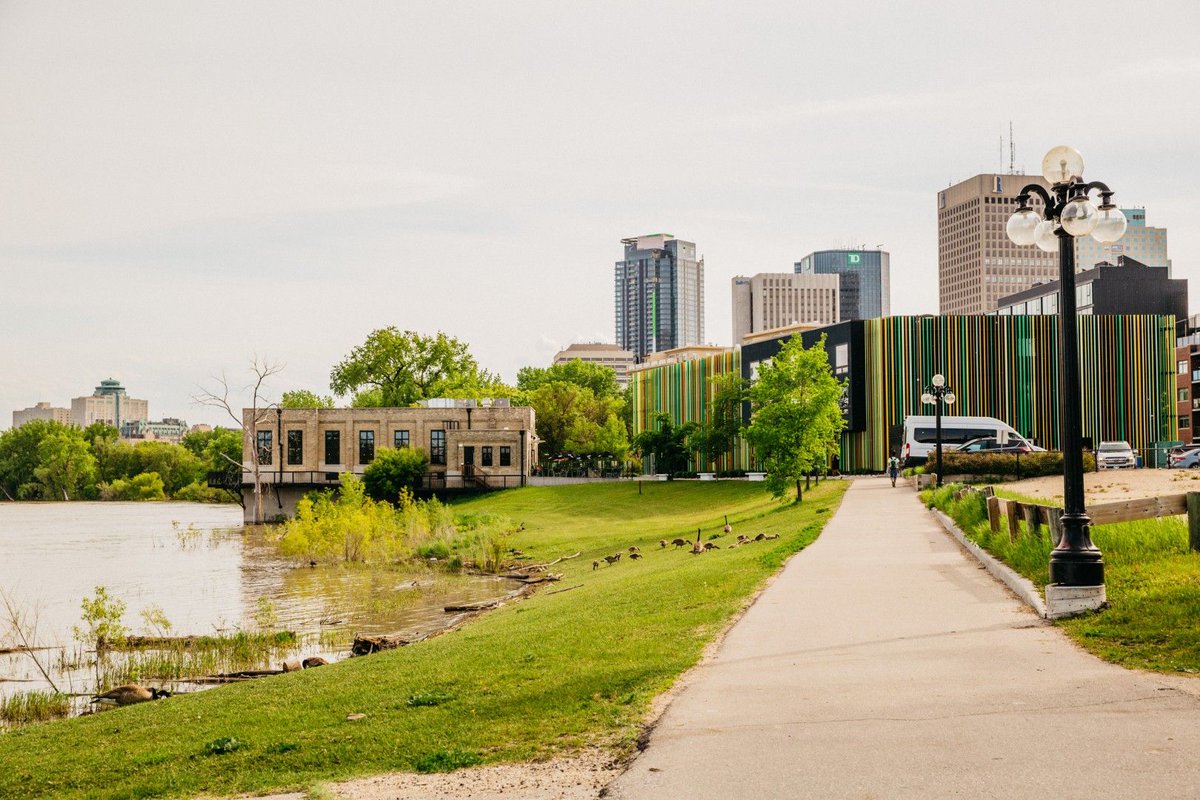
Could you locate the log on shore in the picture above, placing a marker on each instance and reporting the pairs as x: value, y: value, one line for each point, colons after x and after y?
x: 233, y: 677
x: 482, y: 605
x: 365, y: 645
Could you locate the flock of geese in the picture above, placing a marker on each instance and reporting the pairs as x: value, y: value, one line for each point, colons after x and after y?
x: 696, y: 547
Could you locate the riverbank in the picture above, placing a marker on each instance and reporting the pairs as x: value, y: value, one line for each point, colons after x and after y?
x: 572, y: 667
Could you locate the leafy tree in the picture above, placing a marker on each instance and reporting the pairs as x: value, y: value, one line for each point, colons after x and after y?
x: 100, y: 432
x: 19, y: 457
x: 398, y: 368
x: 797, y: 420
x: 218, y: 449
x: 601, y: 380
x: 572, y: 419
x: 146, y: 486
x: 718, y: 434
x: 666, y: 443
x: 393, y: 470
x: 66, y: 467
x: 175, y: 465
x: 303, y: 398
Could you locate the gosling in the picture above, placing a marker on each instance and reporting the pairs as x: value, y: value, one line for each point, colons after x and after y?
x: 633, y: 548
x: 129, y: 694
x: 662, y: 542
x: 679, y: 542
x: 595, y: 565
x: 635, y: 556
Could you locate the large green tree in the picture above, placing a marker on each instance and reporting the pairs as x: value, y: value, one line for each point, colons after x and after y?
x: 303, y: 398
x: 573, y: 419
x: 398, y: 368
x: 600, y: 379
x: 666, y: 444
x: 393, y: 470
x: 796, y: 419
x: 66, y: 467
x: 717, y: 435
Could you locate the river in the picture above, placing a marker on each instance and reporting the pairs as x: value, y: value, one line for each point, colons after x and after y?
x: 206, y: 573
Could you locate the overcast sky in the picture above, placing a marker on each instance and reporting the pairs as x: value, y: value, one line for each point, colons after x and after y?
x: 186, y: 185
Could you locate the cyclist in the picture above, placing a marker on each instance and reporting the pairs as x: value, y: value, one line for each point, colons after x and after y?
x: 893, y: 467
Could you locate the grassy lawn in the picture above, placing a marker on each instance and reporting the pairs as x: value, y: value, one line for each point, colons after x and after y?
x: 547, y: 674
x: 1152, y: 581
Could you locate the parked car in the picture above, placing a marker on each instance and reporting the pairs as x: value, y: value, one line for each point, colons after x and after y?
x: 1115, y: 455
x: 990, y: 444
x: 920, y: 435
x: 1185, y: 459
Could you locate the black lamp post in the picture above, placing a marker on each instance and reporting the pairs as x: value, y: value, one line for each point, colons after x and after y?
x: 939, y: 394
x: 1069, y: 212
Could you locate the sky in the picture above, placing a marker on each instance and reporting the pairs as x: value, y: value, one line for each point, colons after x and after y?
x: 185, y: 187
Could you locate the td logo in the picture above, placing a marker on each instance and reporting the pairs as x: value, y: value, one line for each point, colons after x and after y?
x: 853, y: 258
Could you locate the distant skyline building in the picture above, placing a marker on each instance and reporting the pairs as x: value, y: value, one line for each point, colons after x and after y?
x: 865, y: 280
x: 1141, y: 242
x: 110, y: 404
x: 771, y: 300
x: 612, y: 356
x: 43, y: 411
x: 658, y: 295
x: 977, y: 262
x: 1126, y: 287
x: 168, y: 429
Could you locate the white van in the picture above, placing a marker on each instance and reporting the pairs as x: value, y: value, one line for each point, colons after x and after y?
x: 920, y: 435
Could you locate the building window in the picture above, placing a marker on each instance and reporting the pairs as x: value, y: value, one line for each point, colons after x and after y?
x: 333, y: 447
x: 450, y: 424
x: 1182, y: 366
x: 1182, y: 395
x: 264, y: 447
x: 1185, y: 422
x: 437, y: 447
x: 485, y: 457
x: 400, y: 439
x: 295, y: 444
x: 505, y: 456
x: 366, y: 447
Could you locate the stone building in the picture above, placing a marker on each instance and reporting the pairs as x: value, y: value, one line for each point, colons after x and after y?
x: 471, y: 445
x: 43, y: 411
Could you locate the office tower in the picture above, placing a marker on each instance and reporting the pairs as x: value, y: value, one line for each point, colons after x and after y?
x: 977, y: 262
x: 1141, y: 243
x: 864, y: 285
x: 659, y: 295
x: 774, y: 299
x: 43, y: 411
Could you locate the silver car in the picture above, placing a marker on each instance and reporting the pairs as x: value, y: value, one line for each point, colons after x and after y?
x: 1115, y: 455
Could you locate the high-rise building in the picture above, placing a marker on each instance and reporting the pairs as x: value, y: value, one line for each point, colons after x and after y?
x: 606, y: 355
x: 977, y: 262
x: 41, y: 411
x: 774, y: 299
x: 865, y: 280
x: 1142, y: 243
x: 659, y: 295
x: 110, y: 404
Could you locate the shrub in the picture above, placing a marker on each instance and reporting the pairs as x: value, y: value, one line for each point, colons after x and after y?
x: 197, y: 492
x: 1029, y: 465
x: 147, y: 486
x: 393, y: 470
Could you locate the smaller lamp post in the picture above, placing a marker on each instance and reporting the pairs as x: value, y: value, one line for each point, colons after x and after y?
x: 938, y: 393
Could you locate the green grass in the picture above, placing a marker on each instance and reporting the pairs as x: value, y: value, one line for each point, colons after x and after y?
x: 23, y: 708
x: 1151, y: 578
x: 548, y: 674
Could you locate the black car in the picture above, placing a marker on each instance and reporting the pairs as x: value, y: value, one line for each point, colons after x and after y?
x: 989, y: 444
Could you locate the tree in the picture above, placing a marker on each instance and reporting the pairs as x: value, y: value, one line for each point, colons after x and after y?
x: 303, y: 398
x: 796, y: 418
x: 666, y: 443
x: 175, y: 465
x: 259, y: 412
x: 717, y: 435
x: 398, y: 368
x: 601, y: 380
x: 571, y: 418
x: 393, y: 470
x: 66, y: 467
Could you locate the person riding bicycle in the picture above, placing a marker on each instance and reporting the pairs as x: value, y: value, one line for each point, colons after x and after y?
x: 893, y: 467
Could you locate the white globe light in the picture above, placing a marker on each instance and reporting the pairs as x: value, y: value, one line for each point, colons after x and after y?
x: 1062, y: 164
x: 1110, y: 225
x: 927, y: 398
x: 939, y: 380
x: 949, y: 398
x: 1079, y: 216
x: 1022, y: 227
x: 1046, y: 238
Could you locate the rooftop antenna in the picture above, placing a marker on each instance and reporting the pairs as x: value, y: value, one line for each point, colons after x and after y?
x: 1012, y: 151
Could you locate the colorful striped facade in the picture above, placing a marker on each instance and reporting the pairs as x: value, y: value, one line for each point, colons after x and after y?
x: 999, y: 366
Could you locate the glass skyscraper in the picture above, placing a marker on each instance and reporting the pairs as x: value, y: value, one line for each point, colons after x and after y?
x: 658, y: 294
x: 865, y: 280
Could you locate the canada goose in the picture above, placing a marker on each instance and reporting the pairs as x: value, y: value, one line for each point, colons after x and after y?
x: 635, y: 556
x: 728, y: 528
x: 760, y: 537
x: 679, y: 542
x: 129, y: 694
x: 595, y: 565
x: 662, y: 542
x: 313, y: 661
x: 743, y: 538
x: 773, y: 536
x: 711, y: 546
x: 613, y: 559
x: 633, y: 548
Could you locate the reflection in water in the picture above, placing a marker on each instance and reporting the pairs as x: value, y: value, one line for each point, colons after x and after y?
x: 207, y: 574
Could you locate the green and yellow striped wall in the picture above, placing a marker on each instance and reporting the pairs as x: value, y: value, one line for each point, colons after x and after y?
x: 1003, y: 367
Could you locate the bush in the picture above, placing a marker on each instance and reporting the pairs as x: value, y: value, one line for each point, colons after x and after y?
x: 1029, y: 465
x: 393, y: 470
x: 197, y: 492
x: 147, y: 486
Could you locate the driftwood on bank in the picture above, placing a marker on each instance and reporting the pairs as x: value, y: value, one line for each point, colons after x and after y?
x: 234, y: 677
x: 6, y: 651
x: 365, y: 645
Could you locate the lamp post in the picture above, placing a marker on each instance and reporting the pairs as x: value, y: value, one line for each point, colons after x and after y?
x: 938, y: 394
x: 1069, y: 212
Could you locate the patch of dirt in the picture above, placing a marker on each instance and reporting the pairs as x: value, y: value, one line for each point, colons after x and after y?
x: 1114, y: 484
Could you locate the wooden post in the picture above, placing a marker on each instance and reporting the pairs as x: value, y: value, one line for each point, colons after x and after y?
x: 1014, y: 518
x: 993, y: 505
x: 988, y: 491
x: 1193, y: 507
x: 1033, y: 520
x: 1054, y: 519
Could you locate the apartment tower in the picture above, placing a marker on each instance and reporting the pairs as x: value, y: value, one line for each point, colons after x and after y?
x: 659, y: 295
x: 775, y: 299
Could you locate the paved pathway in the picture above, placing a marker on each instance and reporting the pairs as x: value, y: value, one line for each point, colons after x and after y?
x: 883, y: 663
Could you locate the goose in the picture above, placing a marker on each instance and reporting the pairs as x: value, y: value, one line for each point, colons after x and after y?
x: 728, y: 528
x: 711, y: 546
x: 633, y: 548
x: 635, y: 556
x: 595, y: 565
x: 129, y: 694
x: 613, y: 559
x: 773, y: 536
x: 313, y: 661
x: 760, y: 537
x: 679, y: 542
x: 662, y: 542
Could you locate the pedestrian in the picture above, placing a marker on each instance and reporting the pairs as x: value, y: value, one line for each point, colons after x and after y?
x: 835, y: 465
x: 893, y: 467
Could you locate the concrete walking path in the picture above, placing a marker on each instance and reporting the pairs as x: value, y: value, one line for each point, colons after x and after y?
x: 883, y: 663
